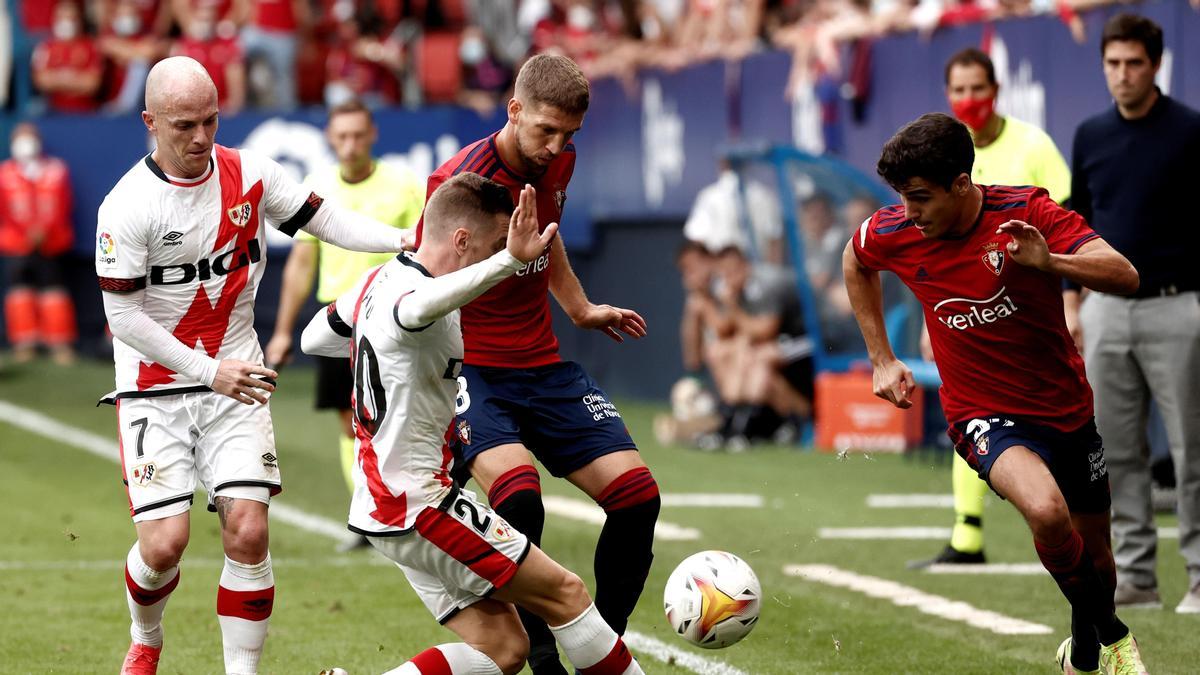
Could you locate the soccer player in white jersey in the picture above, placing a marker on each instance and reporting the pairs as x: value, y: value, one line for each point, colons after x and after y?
x: 400, y: 326
x: 181, y: 246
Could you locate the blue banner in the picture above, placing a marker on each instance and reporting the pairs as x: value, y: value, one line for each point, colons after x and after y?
x: 648, y: 146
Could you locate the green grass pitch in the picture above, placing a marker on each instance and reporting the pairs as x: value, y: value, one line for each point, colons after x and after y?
x: 66, y: 532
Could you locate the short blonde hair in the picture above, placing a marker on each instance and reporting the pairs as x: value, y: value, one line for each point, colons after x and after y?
x: 553, y: 80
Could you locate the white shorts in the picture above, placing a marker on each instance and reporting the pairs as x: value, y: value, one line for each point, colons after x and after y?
x: 169, y: 443
x: 457, y: 557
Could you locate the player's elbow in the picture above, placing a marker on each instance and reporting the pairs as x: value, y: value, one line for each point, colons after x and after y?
x: 1130, y: 279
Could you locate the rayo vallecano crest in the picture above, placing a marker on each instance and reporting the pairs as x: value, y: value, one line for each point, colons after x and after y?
x: 993, y: 257
x: 240, y: 214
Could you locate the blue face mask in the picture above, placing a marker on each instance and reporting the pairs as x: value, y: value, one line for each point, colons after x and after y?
x: 472, y: 51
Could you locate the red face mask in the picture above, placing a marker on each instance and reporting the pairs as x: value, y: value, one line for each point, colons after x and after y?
x: 974, y: 112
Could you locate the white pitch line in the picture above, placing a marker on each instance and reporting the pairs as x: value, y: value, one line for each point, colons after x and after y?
x: 907, y: 596
x: 910, y: 501
x: 48, y: 427
x: 988, y: 568
x: 588, y: 512
x: 884, y: 533
x: 725, y: 500
x: 682, y: 658
x: 370, y: 560
x: 918, y: 533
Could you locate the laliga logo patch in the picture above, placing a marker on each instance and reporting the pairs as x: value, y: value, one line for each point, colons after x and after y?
x: 106, y: 245
x: 240, y: 214
x: 142, y: 474
x: 463, y: 429
x: 993, y: 257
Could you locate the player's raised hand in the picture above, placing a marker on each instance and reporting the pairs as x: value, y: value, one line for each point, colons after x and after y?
x: 1028, y: 247
x: 894, y: 383
x: 524, y: 241
x: 235, y: 380
x: 612, y: 321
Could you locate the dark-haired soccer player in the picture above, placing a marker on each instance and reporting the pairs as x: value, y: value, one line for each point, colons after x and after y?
x: 517, y: 399
x: 986, y: 263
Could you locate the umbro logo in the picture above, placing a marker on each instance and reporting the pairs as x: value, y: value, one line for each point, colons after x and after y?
x: 922, y: 275
x: 172, y: 238
x: 269, y: 460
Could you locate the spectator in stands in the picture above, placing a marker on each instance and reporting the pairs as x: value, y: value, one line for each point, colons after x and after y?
x: 220, y: 56
x: 131, y: 45
x: 1007, y: 152
x: 485, y: 77
x: 361, y: 66
x: 693, y: 407
x: 1134, y: 171
x: 230, y: 13
x: 759, y: 355
x: 67, y: 67
x: 272, y: 31
x: 824, y: 240
x: 153, y: 16
x: 35, y: 232
x: 721, y: 213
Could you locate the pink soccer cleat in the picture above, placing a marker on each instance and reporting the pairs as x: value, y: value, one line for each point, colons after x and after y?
x: 141, y: 660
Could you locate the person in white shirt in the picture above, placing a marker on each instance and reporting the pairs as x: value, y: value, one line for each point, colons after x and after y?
x: 400, y: 326
x: 180, y: 249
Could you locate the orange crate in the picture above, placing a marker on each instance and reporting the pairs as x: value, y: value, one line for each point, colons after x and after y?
x: 850, y: 417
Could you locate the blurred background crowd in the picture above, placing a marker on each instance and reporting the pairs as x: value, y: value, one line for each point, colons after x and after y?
x: 92, y: 55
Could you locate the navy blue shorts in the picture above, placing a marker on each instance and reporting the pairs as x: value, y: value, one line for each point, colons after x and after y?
x: 1075, y: 458
x: 557, y: 411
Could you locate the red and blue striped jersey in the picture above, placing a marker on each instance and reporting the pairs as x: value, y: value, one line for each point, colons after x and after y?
x: 510, y: 326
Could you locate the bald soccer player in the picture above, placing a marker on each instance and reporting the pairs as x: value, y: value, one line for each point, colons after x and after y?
x: 180, y: 249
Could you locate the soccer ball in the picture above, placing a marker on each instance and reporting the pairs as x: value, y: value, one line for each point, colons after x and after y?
x: 712, y: 599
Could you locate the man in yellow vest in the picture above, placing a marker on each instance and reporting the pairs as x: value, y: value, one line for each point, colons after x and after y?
x: 1007, y: 152
x: 361, y: 183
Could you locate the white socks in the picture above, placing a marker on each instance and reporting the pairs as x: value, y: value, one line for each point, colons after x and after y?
x: 590, y: 644
x: 146, y: 591
x: 449, y: 659
x: 244, y: 602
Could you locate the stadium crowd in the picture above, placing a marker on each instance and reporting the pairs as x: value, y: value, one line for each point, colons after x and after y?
x: 91, y: 55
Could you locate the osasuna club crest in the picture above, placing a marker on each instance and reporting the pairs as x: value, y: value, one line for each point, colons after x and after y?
x: 240, y: 214
x: 993, y: 257
x: 560, y: 198
x: 464, y: 431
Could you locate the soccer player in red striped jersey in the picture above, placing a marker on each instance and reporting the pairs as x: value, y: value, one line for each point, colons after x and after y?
x: 400, y: 325
x: 518, y: 400
x: 987, y: 262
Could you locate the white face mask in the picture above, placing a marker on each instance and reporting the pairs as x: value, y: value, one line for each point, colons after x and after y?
x: 127, y: 25
x: 202, y: 30
x: 65, y: 29
x: 26, y: 148
x: 580, y: 17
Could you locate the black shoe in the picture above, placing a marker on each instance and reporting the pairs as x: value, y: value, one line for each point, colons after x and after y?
x: 950, y: 556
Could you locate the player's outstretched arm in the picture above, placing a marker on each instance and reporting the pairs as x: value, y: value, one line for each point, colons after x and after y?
x: 448, y: 292
x: 1095, y: 264
x: 565, y: 286
x: 891, y: 378
x: 354, y: 232
x: 298, y: 275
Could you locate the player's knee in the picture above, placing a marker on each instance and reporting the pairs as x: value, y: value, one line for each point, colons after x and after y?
x: 1048, y: 517
x: 163, y: 551
x: 246, y: 535
x: 573, y: 593
x: 509, y: 652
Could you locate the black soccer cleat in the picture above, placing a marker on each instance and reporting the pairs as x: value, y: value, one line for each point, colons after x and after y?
x: 950, y: 556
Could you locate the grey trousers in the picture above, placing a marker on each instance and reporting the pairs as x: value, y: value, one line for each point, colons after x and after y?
x: 1135, y: 350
